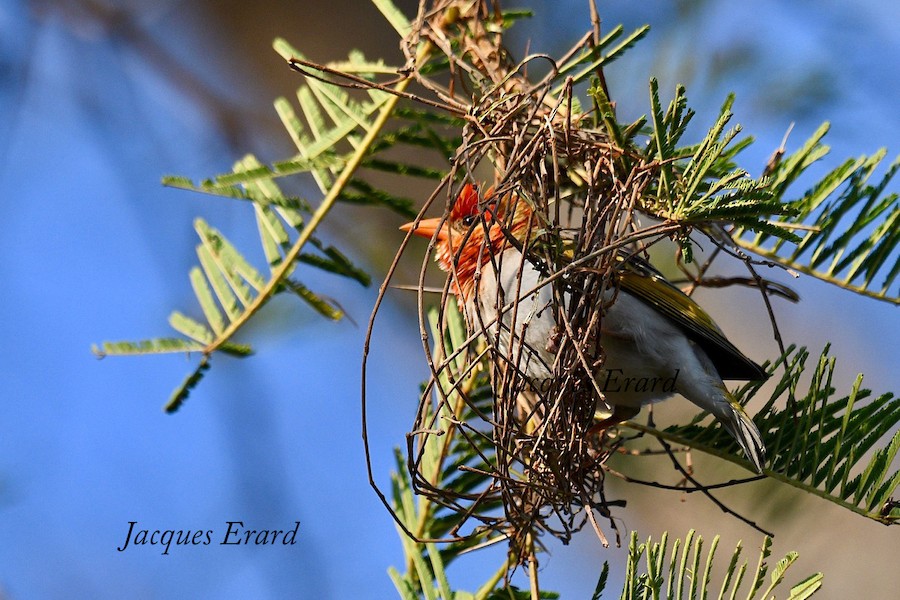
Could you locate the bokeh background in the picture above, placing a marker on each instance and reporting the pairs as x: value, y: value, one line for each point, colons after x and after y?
x: 99, y: 99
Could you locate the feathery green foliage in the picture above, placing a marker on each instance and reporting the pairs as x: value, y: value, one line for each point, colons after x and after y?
x: 851, y: 225
x: 336, y: 135
x: 684, y: 571
x: 819, y: 443
x: 699, y: 184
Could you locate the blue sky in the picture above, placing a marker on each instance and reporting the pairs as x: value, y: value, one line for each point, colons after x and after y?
x: 94, y: 249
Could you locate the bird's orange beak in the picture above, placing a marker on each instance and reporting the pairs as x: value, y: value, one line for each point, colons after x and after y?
x: 427, y: 228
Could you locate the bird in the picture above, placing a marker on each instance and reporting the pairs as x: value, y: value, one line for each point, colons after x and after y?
x: 650, y: 330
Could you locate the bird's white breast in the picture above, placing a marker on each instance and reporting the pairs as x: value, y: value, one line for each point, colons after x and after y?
x: 639, y: 344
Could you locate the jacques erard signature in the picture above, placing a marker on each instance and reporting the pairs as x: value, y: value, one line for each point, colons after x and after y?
x: 235, y: 535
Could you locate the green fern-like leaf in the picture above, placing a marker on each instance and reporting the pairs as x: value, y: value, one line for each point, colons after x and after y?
x: 851, y: 226
x: 611, y: 47
x: 698, y: 185
x: 689, y: 576
x: 819, y: 444
x: 335, y: 135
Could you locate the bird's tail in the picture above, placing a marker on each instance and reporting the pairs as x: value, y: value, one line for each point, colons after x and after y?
x: 742, y: 428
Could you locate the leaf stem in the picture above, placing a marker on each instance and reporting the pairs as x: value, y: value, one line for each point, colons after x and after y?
x: 289, y: 262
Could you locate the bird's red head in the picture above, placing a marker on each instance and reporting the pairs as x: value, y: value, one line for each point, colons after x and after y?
x: 473, y: 231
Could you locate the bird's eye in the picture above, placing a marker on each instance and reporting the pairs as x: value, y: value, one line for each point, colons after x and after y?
x: 468, y: 220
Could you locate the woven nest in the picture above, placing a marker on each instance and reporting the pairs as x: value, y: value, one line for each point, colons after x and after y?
x: 535, y: 466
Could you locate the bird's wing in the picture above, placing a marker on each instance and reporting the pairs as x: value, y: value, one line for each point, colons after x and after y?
x: 647, y: 284
x: 640, y: 279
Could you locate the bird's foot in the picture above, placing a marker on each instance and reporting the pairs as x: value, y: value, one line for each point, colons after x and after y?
x: 602, y: 437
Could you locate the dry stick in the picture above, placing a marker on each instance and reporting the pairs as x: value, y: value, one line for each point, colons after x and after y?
x: 366, y: 347
x: 586, y: 240
x: 595, y: 22
x: 422, y: 29
x: 763, y: 289
x: 420, y: 297
x: 579, y: 45
x: 681, y: 488
x: 705, y: 491
x: 429, y: 487
x: 443, y: 394
x: 749, y: 262
x: 360, y: 83
x: 590, y: 514
x: 701, y: 271
x: 773, y: 288
x: 425, y: 486
x: 533, y: 483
